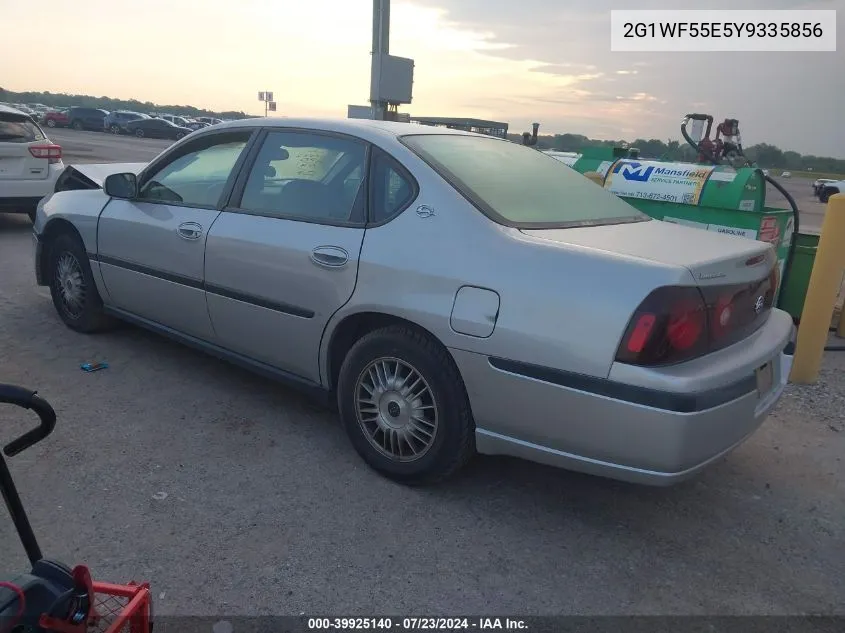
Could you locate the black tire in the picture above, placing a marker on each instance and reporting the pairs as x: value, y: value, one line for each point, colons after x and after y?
x: 825, y: 194
x: 139, y: 133
x: 453, y: 442
x: 76, y: 125
x: 89, y: 316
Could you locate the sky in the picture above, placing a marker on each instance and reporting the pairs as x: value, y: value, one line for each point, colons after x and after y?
x: 547, y: 61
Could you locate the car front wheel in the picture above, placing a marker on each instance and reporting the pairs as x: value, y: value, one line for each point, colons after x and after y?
x: 403, y: 404
x: 77, y: 125
x: 139, y: 133
x: 72, y: 286
x: 115, y: 129
x: 51, y: 123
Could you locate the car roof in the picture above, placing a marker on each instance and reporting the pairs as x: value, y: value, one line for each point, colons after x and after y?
x: 364, y: 128
x: 10, y: 110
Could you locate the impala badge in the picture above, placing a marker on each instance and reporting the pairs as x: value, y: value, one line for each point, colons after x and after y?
x: 425, y: 211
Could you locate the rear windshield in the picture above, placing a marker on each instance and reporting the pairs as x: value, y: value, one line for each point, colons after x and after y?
x: 15, y: 129
x: 519, y: 186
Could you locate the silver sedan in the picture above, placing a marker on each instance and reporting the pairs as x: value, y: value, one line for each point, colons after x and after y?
x: 453, y: 293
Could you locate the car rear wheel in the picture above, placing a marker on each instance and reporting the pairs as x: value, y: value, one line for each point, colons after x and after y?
x: 51, y: 123
x: 76, y: 125
x: 72, y: 286
x: 179, y: 135
x: 403, y: 404
x: 139, y: 133
x: 115, y: 129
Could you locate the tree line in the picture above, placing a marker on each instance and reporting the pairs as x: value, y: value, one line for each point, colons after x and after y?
x: 763, y: 154
x: 61, y: 100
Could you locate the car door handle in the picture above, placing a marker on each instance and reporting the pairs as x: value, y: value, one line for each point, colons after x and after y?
x: 189, y: 230
x: 329, y: 256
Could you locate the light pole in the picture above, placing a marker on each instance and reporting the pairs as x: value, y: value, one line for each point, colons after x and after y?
x: 381, y: 46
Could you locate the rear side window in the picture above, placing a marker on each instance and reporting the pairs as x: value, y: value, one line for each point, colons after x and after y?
x: 518, y: 186
x: 390, y: 190
x: 14, y: 129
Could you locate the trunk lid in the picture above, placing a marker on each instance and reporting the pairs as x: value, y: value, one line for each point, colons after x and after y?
x: 714, y: 259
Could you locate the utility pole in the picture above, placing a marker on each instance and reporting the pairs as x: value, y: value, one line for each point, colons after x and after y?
x: 381, y: 46
x: 269, y: 104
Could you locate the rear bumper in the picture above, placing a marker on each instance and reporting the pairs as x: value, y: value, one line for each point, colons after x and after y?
x: 640, y: 435
x: 23, y: 195
x: 19, y: 204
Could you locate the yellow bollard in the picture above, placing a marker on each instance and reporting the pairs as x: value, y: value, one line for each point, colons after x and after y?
x: 821, y: 294
x: 595, y: 176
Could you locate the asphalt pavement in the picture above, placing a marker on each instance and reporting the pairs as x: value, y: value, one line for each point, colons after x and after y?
x: 99, y: 147
x: 233, y: 495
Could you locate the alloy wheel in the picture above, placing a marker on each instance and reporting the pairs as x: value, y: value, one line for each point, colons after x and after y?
x: 396, y: 409
x: 71, y: 285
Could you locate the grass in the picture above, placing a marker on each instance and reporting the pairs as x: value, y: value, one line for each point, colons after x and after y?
x: 812, y: 175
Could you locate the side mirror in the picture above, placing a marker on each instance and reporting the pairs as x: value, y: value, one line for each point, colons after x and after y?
x: 123, y: 186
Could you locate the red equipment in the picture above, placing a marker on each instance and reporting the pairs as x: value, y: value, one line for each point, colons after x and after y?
x: 726, y: 145
x: 53, y: 597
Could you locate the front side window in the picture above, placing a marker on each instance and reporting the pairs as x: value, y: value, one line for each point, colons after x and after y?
x: 307, y: 176
x: 198, y: 176
x: 519, y: 186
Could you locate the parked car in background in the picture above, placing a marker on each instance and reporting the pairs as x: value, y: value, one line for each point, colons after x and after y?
x: 830, y: 188
x: 56, y: 118
x: 29, y: 162
x: 819, y: 184
x: 196, y: 125
x: 209, y: 119
x: 786, y: 174
x: 86, y: 118
x: 115, y: 122
x: 174, y: 119
x: 333, y: 254
x: 156, y: 128
x: 32, y: 114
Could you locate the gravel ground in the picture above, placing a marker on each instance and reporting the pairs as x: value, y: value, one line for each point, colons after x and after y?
x: 232, y: 495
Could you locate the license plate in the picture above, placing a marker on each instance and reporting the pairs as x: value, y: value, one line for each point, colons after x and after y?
x: 764, y: 379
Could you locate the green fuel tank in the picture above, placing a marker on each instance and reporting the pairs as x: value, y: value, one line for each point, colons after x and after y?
x: 714, y: 198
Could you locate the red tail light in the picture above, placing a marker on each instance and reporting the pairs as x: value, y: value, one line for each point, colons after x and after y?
x: 679, y: 323
x: 53, y: 153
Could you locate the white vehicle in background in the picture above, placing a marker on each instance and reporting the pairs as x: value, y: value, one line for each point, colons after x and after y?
x: 209, y: 119
x: 786, y: 174
x: 819, y: 184
x: 29, y: 162
x: 181, y: 121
